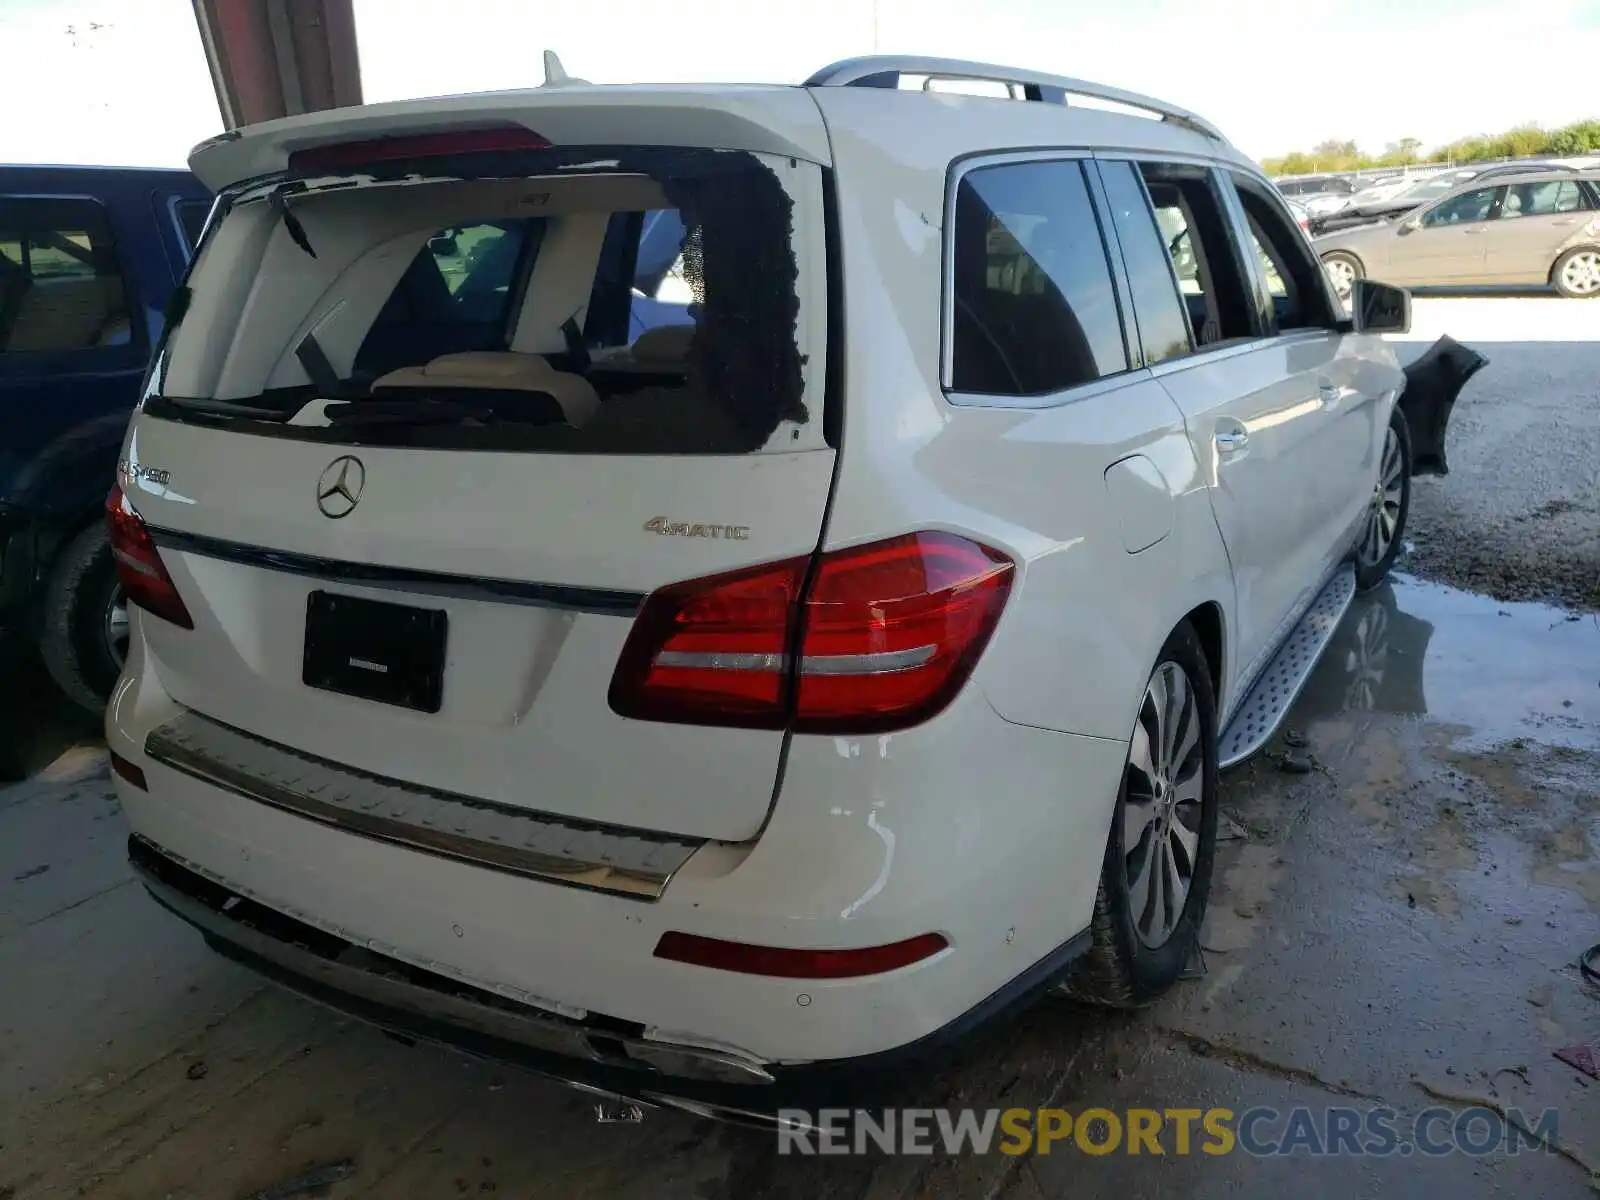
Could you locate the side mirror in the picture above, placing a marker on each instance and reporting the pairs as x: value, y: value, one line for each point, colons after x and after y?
x: 443, y: 246
x: 1379, y: 308
x: 1409, y: 225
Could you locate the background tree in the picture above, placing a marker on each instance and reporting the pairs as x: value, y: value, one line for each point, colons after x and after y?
x: 1524, y: 141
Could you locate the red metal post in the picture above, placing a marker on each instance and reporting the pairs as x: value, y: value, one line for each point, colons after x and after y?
x: 277, y: 58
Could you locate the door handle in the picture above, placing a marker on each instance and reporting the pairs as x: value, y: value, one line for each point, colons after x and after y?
x: 1473, y: 229
x: 1329, y: 390
x: 1230, y: 441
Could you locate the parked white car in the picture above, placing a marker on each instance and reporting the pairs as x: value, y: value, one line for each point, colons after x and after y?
x: 738, y: 712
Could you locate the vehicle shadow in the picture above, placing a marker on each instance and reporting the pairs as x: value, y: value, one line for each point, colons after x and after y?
x: 40, y: 722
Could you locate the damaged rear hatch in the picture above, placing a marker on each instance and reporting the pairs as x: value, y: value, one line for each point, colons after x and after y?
x: 459, y: 383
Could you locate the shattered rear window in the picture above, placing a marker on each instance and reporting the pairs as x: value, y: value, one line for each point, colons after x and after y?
x: 652, y: 306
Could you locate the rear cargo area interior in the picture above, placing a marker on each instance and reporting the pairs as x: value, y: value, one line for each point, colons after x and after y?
x: 598, y: 311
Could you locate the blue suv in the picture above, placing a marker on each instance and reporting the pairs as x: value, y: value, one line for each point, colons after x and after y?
x: 88, y: 259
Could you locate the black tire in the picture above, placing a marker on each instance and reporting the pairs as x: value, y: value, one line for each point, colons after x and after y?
x: 1121, y: 969
x: 1558, y: 278
x: 73, y: 642
x: 1344, y: 258
x: 1370, y: 572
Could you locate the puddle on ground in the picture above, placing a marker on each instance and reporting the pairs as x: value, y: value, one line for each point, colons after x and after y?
x: 1496, y: 671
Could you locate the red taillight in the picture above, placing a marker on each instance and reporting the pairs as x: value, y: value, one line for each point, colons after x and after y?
x: 129, y: 771
x: 797, y: 964
x: 140, y: 570
x: 713, y: 651
x: 345, y: 155
x: 887, y: 633
x: 892, y: 630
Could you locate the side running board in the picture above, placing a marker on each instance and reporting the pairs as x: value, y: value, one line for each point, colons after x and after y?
x: 1268, y: 702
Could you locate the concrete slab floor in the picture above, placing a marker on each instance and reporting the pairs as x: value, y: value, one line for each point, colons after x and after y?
x: 1396, y: 927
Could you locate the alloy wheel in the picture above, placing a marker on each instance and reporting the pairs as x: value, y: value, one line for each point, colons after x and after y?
x: 1383, y: 518
x: 1580, y: 274
x: 1342, y: 275
x: 1162, y: 804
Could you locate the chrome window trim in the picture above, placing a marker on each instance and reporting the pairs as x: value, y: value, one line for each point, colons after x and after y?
x: 1237, y: 348
x: 961, y: 167
x: 1071, y: 395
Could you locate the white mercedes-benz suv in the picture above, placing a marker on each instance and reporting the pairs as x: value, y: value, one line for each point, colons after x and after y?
x: 714, y: 592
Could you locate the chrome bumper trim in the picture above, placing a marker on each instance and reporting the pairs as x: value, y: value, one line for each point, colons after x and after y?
x: 604, y: 858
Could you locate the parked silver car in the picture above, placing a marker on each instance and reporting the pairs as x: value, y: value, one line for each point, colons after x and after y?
x: 1537, y: 228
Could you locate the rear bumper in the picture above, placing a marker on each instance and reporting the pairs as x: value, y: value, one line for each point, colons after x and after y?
x: 595, y: 1053
x: 988, y: 833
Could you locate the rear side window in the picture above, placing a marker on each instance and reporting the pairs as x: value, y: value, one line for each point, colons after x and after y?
x: 455, y: 297
x: 61, y: 286
x: 191, y: 215
x: 1162, y: 319
x: 1034, y: 310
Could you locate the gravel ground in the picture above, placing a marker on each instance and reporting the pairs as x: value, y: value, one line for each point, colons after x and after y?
x: 1518, y: 517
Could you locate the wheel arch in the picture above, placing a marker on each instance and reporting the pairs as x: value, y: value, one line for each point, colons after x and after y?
x: 1361, y: 264
x: 1208, y: 624
x: 64, y: 487
x: 1592, y: 247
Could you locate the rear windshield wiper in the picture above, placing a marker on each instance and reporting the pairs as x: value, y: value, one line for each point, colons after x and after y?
x: 278, y: 201
x: 421, y: 410
x: 207, y: 406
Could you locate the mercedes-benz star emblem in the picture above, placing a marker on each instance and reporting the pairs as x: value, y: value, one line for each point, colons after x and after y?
x: 339, y: 489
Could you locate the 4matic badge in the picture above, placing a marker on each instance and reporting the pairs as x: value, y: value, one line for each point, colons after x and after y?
x: 670, y: 528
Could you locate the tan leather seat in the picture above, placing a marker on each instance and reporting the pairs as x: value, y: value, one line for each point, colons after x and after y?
x: 66, y: 314
x: 665, y: 344
x: 502, y: 371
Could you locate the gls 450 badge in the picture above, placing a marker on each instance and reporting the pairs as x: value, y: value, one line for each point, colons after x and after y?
x: 153, y: 476
x: 670, y: 528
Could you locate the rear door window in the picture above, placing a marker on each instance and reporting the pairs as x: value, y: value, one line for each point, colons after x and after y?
x: 1548, y: 199
x: 1162, y: 319
x: 1034, y: 309
x: 61, y: 283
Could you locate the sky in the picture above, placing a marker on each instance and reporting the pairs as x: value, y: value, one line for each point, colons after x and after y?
x: 125, y: 81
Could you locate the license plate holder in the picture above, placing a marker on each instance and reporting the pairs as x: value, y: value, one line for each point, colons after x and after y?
x: 389, y: 653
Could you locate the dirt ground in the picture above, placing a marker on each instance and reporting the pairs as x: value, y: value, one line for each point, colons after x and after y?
x: 1394, y: 927
x: 1518, y: 517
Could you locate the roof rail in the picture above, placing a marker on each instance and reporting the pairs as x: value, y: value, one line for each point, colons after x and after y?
x: 885, y: 70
